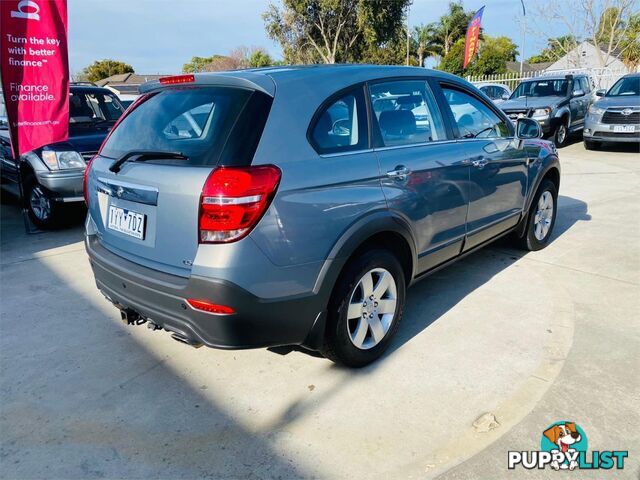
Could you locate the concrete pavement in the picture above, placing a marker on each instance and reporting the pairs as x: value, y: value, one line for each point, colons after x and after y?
x: 522, y: 339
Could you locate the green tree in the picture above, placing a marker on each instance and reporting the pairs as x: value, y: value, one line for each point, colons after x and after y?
x: 330, y: 31
x: 101, y: 69
x: 199, y: 64
x: 492, y: 57
x: 425, y: 42
x: 259, y: 58
x: 556, y: 48
x: 450, y: 28
x: 630, y: 44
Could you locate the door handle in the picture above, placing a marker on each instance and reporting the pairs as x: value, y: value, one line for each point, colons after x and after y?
x: 399, y: 173
x: 480, y: 162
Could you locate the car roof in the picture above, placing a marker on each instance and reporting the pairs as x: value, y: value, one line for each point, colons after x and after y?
x: 562, y: 76
x: 324, y: 77
x: 88, y: 89
x: 632, y: 75
x: 491, y: 84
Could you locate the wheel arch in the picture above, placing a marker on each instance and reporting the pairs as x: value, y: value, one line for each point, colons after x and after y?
x: 383, y: 229
x: 551, y: 172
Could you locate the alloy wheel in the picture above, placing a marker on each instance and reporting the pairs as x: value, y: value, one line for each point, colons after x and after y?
x: 40, y: 204
x: 543, y: 216
x: 372, y: 308
x: 562, y: 134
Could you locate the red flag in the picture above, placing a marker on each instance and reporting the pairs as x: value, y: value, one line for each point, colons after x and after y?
x: 473, y: 32
x: 35, y: 71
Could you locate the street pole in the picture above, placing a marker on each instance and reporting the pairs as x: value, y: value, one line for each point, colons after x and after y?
x: 524, y: 28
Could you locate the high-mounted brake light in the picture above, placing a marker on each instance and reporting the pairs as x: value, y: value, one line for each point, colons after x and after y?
x: 209, y: 307
x: 233, y: 201
x: 176, y: 79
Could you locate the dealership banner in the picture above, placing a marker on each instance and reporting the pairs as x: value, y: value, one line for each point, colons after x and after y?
x: 473, y: 33
x: 35, y: 71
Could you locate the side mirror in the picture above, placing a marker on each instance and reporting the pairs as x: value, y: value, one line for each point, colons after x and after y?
x: 578, y: 93
x: 601, y: 93
x: 528, y: 129
x: 505, y: 96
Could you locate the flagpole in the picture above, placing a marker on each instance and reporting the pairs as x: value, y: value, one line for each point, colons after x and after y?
x: 524, y: 28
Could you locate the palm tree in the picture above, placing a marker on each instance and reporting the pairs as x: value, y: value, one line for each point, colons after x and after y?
x: 424, y: 37
x: 451, y: 27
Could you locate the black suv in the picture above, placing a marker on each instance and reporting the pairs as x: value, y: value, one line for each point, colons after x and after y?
x: 51, y: 176
x: 558, y: 102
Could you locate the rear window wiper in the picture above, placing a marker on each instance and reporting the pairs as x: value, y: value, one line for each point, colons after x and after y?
x: 143, y: 155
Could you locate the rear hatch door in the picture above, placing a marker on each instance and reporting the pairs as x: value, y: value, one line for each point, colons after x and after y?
x: 148, y: 211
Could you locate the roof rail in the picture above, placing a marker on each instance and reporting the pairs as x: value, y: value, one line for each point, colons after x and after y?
x: 90, y: 84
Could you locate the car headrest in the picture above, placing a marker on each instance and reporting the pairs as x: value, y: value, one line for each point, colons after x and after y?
x: 398, y: 122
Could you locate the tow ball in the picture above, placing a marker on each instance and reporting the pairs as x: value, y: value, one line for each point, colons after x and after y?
x: 131, y: 317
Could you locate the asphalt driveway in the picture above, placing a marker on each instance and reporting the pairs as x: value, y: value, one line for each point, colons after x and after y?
x: 492, y: 350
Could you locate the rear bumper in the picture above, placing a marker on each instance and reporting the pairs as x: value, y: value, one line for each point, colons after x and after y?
x: 161, y: 297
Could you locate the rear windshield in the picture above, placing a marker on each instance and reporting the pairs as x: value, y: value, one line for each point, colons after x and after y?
x: 193, y: 121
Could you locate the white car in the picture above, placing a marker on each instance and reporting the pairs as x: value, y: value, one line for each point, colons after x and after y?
x: 497, y: 92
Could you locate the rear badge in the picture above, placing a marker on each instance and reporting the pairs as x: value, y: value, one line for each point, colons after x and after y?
x: 188, y: 263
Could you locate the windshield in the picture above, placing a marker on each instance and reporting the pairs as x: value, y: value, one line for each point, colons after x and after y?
x: 624, y: 87
x: 192, y: 121
x: 93, y: 107
x: 542, y: 88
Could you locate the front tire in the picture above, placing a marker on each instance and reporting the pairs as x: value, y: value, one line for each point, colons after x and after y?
x: 365, y: 309
x: 43, y: 210
x: 561, y: 134
x: 541, y: 218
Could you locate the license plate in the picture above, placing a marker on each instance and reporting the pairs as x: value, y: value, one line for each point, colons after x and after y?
x: 624, y: 128
x: 127, y: 222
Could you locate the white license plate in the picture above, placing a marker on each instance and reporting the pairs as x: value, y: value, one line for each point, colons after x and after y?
x: 126, y: 221
x: 624, y: 128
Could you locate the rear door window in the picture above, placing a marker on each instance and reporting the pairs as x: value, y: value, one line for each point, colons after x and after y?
x: 405, y: 112
x: 195, y: 122
x: 341, y: 125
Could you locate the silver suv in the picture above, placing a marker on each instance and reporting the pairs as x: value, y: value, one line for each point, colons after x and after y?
x: 294, y: 206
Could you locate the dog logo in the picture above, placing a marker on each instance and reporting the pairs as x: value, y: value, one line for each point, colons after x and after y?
x: 564, y: 438
x: 563, y: 446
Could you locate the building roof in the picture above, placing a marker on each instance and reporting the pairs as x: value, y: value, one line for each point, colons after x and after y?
x: 127, y: 79
x: 528, y: 67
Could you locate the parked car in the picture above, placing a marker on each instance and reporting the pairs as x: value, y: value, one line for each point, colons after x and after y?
x: 3, y: 113
x: 615, y: 117
x: 558, y: 102
x: 52, y: 175
x: 497, y: 92
x: 278, y: 207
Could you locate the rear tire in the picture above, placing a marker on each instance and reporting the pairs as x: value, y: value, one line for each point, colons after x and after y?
x: 365, y: 309
x: 591, y: 145
x: 541, y: 218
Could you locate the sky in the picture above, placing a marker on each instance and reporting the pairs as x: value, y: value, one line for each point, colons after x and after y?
x: 159, y: 36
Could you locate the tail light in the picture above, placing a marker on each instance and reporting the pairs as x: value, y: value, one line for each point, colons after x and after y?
x: 85, y: 181
x: 233, y: 201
